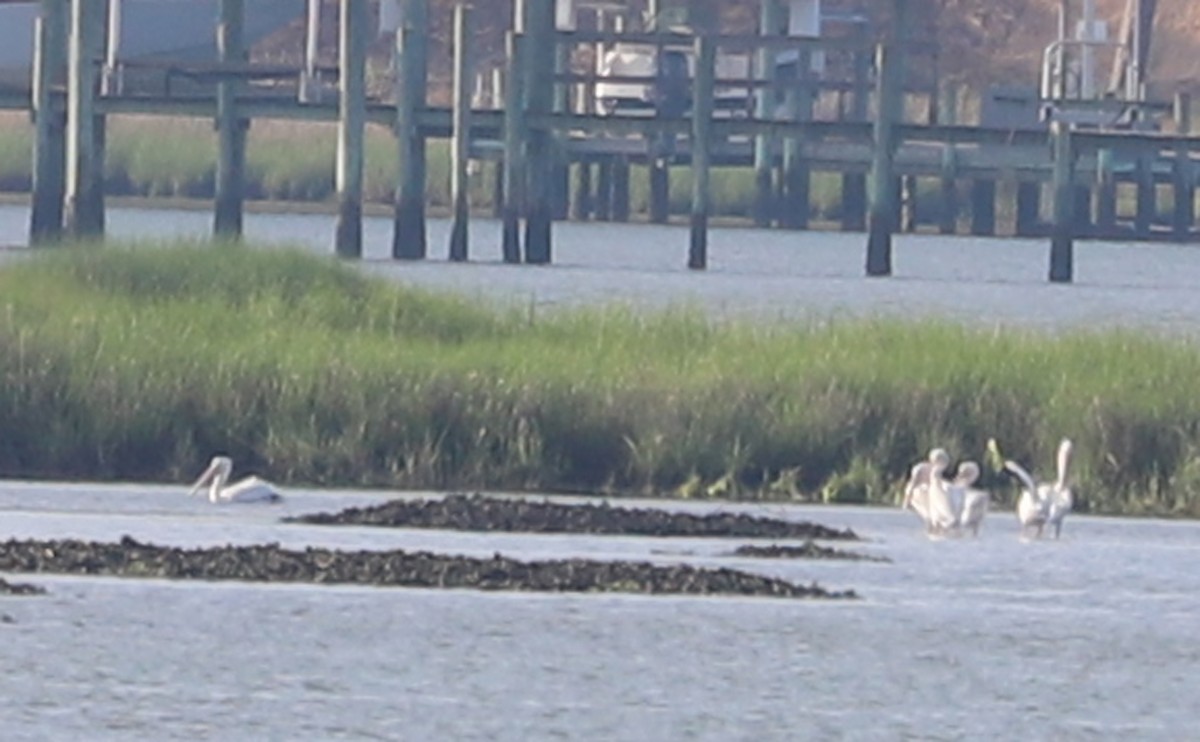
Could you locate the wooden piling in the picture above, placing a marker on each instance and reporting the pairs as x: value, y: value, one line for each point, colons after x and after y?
x: 983, y: 207
x: 537, y: 23
x: 85, y: 166
x: 1146, y: 197
x: 854, y: 184
x: 461, y: 136
x: 702, y: 108
x: 909, y: 195
x: 1184, y: 213
x: 948, y: 213
x: 1106, y: 193
x: 947, y: 113
x: 880, y: 218
x: 514, y: 139
x: 796, y: 178
x: 49, y: 156
x: 231, y: 129
x: 1063, y: 230
x: 604, y: 189
x: 411, y: 63
x: 620, y: 189
x: 660, y: 190
x: 581, y: 191
x: 352, y: 114
x: 771, y: 22
x: 1029, y: 207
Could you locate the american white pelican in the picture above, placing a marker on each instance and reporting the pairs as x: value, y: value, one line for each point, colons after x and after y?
x: 943, y: 514
x: 1031, y: 508
x: 1058, y: 496
x: 250, y: 489
x: 916, y: 490
x: 1044, y: 504
x: 970, y: 503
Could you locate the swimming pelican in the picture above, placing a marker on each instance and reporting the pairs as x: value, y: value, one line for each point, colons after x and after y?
x: 916, y: 490
x: 250, y: 489
x: 1036, y: 502
x: 970, y: 503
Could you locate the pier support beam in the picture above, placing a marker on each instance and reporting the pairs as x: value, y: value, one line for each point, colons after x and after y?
x: 1184, y: 214
x: 1147, y: 198
x: 352, y: 116
x: 983, y: 207
x: 581, y: 191
x: 536, y: 21
x: 660, y: 190
x: 1106, y: 194
x: 231, y: 128
x: 1028, y: 207
x: 796, y: 177
x: 411, y: 62
x: 1062, y: 233
x: 461, y: 136
x: 702, y: 108
x: 50, y: 64
x: 854, y: 185
x: 772, y: 21
x: 85, y: 160
x: 881, y: 218
x: 514, y: 138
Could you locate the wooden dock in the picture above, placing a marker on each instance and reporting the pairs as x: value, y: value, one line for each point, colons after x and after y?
x: 539, y: 132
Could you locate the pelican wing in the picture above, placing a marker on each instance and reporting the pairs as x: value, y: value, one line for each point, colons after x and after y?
x: 1019, y: 472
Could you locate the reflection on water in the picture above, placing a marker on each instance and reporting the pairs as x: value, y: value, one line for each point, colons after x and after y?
x: 1091, y: 637
x: 768, y: 273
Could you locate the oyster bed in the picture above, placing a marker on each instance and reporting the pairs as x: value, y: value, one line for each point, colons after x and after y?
x: 271, y: 563
x: 482, y: 513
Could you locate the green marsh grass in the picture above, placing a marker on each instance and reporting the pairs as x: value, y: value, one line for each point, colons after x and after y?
x: 140, y: 362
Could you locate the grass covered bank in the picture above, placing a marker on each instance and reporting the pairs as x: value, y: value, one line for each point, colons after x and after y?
x: 141, y: 363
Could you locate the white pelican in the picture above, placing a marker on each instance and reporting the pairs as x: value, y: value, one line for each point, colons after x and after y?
x: 916, y: 490
x: 1044, y: 504
x: 970, y: 503
x: 943, y: 512
x: 250, y: 489
x: 1058, y: 496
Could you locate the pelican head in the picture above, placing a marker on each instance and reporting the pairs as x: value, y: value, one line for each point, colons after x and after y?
x: 968, y: 473
x: 940, y: 459
x: 214, y: 476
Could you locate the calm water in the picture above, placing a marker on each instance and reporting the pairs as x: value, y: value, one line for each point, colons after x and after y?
x: 1093, y: 637
x: 759, y: 272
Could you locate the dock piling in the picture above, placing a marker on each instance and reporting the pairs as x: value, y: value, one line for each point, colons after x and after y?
x: 1184, y: 213
x: 85, y: 166
x: 514, y: 137
x: 411, y: 64
x: 231, y: 129
x: 702, y: 108
x: 49, y: 156
x: 881, y: 217
x: 461, y: 136
x: 1063, y: 230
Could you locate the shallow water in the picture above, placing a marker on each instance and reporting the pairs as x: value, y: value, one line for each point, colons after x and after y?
x: 1092, y: 637
x: 769, y: 273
